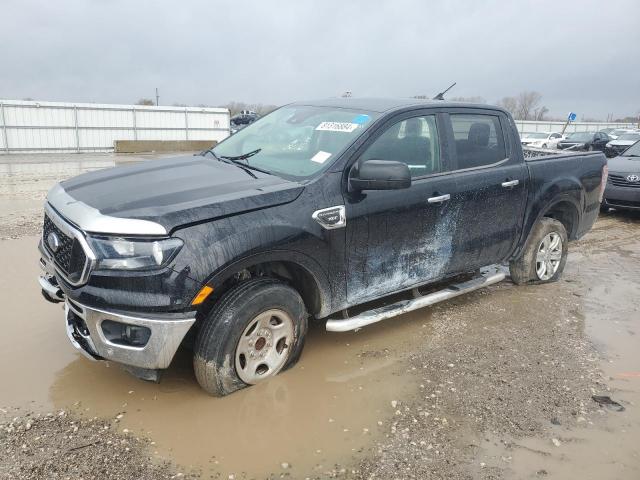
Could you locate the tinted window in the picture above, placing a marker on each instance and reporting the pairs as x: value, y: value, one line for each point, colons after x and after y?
x: 478, y: 140
x: 413, y: 141
x: 297, y: 140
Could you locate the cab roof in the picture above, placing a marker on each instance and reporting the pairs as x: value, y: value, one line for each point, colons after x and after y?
x: 382, y: 105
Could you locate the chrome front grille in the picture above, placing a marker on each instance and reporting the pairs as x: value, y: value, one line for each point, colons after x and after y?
x: 621, y: 181
x: 72, y: 256
x: 62, y: 255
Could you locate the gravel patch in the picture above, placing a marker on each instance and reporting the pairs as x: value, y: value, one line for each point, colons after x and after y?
x: 59, y: 445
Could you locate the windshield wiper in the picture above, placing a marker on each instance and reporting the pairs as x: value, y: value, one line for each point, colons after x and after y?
x: 230, y: 161
x: 244, y: 156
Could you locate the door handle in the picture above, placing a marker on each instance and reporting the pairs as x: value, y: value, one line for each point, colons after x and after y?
x: 439, y: 199
x: 510, y: 183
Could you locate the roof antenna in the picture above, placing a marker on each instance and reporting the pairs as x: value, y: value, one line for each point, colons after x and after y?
x: 440, y: 96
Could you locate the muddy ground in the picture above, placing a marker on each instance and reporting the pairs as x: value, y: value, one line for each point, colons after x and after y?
x: 495, y: 384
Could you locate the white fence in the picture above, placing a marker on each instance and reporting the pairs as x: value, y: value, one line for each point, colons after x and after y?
x: 527, y: 126
x: 27, y: 126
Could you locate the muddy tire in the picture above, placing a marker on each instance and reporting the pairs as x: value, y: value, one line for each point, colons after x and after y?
x: 544, y: 255
x: 256, y: 330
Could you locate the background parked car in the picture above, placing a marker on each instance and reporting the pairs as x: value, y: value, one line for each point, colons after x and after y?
x: 620, y: 144
x: 242, y: 119
x: 541, y: 139
x: 245, y: 117
x: 584, y: 141
x: 607, y: 131
x: 614, y: 134
x: 623, y: 183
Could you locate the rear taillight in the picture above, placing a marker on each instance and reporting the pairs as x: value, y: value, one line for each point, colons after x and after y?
x: 603, y: 184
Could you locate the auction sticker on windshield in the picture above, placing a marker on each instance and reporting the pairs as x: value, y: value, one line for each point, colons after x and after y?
x: 337, y: 127
x: 320, y: 157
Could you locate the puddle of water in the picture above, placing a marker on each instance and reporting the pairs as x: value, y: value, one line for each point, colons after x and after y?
x: 324, y: 410
x: 31, y: 176
x: 608, y: 447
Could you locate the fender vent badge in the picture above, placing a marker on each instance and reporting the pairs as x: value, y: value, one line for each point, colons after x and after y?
x: 330, y: 218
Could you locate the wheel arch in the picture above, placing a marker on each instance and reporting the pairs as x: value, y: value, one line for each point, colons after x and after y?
x: 566, y: 212
x: 296, y: 269
x: 564, y: 208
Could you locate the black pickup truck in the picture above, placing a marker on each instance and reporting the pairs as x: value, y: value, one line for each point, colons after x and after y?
x: 344, y: 210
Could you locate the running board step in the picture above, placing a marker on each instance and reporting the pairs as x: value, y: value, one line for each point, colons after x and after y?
x: 487, y: 277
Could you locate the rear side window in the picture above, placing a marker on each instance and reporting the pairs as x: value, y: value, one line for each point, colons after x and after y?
x: 478, y: 140
x: 413, y: 141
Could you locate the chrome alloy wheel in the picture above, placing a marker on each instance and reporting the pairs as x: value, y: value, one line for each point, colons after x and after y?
x: 263, y: 348
x: 549, y: 256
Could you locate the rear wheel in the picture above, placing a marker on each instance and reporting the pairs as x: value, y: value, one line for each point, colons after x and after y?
x: 544, y: 255
x: 255, y: 331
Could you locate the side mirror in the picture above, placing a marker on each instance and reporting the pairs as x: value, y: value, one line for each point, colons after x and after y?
x: 379, y: 175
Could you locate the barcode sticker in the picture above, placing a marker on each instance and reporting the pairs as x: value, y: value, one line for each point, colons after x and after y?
x: 337, y: 127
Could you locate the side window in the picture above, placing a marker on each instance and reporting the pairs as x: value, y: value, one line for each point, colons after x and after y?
x: 478, y: 139
x: 413, y: 141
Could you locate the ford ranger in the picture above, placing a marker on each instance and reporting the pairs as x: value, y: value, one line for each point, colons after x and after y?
x: 347, y: 210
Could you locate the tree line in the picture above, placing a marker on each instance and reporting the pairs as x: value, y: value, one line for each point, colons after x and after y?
x: 233, y: 107
x: 524, y: 106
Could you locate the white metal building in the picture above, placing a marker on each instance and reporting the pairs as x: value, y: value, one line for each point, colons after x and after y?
x: 30, y: 126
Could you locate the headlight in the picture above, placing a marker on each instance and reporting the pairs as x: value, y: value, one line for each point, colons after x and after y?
x: 113, y: 253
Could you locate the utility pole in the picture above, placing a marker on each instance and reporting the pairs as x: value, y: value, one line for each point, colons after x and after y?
x: 157, y: 97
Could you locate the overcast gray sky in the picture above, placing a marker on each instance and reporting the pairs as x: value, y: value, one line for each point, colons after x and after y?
x: 583, y: 56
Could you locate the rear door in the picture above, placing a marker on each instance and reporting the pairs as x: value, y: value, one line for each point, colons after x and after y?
x: 489, y: 193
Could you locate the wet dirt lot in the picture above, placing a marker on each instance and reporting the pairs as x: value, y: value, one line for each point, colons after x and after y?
x: 496, y: 384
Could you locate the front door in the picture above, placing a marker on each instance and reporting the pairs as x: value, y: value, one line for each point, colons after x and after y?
x: 397, y: 239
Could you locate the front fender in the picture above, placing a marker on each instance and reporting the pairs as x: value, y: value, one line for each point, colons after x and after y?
x: 215, y: 251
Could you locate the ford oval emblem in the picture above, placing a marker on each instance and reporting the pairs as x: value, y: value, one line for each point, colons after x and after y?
x: 53, y: 241
x: 633, y: 178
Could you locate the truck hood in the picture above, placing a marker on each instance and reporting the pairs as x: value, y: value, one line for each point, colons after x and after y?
x: 156, y: 197
x: 624, y: 165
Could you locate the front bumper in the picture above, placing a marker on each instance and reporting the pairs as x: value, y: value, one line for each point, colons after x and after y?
x: 621, y: 197
x: 86, y: 332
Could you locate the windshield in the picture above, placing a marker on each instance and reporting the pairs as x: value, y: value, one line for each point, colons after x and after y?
x: 629, y: 136
x: 581, y: 136
x: 537, y: 135
x: 296, y: 141
x: 632, y: 151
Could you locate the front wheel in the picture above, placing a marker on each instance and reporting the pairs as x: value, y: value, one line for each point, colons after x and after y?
x: 544, y: 255
x: 256, y: 330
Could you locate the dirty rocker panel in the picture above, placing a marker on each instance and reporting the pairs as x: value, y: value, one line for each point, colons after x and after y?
x: 489, y: 276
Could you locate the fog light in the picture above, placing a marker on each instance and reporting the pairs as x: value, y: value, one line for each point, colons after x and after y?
x: 125, y: 334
